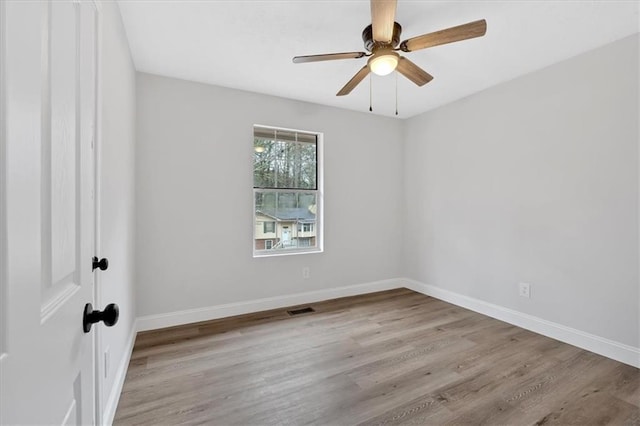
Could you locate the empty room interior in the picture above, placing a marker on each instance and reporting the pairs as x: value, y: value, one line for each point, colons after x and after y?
x: 319, y: 212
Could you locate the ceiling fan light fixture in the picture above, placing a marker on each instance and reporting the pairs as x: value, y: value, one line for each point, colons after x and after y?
x: 384, y: 62
x: 382, y: 40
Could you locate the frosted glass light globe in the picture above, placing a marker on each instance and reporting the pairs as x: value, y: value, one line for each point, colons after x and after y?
x: 383, y: 63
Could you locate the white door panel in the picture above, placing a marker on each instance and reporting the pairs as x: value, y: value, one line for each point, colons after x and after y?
x: 47, y: 371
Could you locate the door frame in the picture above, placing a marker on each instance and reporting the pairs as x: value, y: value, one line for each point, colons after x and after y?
x: 97, y: 299
x: 3, y: 185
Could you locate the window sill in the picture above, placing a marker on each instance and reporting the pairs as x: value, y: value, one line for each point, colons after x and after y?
x: 291, y: 252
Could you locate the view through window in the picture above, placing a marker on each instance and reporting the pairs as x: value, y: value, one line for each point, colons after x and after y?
x: 286, y: 195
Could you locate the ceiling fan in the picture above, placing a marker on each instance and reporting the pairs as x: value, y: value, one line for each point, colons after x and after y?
x: 382, y: 41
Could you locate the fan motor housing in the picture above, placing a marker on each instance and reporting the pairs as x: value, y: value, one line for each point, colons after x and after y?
x: 370, y: 43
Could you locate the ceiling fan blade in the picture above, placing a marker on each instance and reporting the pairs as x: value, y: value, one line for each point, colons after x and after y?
x: 461, y: 32
x: 327, y: 57
x: 383, y: 15
x: 355, y: 80
x: 413, y: 72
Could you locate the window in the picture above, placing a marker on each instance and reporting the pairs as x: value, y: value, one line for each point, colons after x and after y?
x: 286, y: 191
x: 305, y: 227
x: 269, y: 227
x: 304, y: 242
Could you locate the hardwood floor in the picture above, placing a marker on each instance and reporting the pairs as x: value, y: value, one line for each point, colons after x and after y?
x: 394, y: 357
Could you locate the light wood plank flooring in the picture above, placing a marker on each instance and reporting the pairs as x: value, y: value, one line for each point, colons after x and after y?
x: 394, y: 357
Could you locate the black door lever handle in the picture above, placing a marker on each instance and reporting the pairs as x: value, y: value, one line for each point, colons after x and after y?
x: 102, y: 264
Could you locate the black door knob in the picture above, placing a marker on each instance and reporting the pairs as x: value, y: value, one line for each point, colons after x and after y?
x: 103, y: 263
x: 109, y: 316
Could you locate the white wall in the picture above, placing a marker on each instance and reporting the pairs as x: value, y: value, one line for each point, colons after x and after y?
x: 117, y: 197
x: 194, y: 197
x: 534, y: 180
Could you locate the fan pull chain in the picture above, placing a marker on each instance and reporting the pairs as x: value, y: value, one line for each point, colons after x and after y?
x: 370, y: 90
x: 396, y: 92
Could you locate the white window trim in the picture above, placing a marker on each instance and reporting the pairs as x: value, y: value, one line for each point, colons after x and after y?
x: 319, y: 200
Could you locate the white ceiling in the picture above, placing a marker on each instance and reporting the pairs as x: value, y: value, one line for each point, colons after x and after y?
x: 249, y: 45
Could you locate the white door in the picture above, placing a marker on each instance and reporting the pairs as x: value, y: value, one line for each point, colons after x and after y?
x: 48, y: 56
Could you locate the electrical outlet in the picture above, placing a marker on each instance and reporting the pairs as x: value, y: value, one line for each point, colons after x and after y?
x: 524, y: 290
x: 305, y: 272
x: 106, y: 362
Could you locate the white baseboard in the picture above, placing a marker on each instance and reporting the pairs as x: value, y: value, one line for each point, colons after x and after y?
x: 609, y: 348
x: 118, y: 381
x: 152, y: 322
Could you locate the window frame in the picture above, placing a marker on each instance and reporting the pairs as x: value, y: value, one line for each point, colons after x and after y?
x: 319, y: 192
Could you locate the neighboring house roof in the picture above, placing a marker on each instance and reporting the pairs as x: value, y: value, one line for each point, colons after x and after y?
x: 298, y: 214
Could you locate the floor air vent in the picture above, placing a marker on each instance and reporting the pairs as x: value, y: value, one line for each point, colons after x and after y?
x: 301, y: 311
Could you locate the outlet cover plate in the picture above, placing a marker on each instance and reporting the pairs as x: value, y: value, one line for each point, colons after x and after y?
x: 524, y: 290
